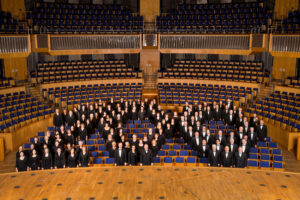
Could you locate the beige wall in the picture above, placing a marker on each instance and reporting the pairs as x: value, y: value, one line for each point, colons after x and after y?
x: 149, y: 9
x: 16, y: 67
x: 283, y: 63
x: 152, y: 57
x: 282, y: 7
x: 16, y: 7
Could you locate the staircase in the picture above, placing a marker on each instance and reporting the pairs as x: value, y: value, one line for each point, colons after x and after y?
x: 150, y: 81
x: 35, y: 91
x: 150, y: 86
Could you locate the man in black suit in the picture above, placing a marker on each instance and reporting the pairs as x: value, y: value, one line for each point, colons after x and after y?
x: 262, y: 131
x: 217, y: 113
x: 209, y: 138
x: 214, y: 157
x: 240, y: 135
x: 196, y: 142
x: 204, y: 149
x: 197, y: 127
x: 240, y: 159
x: 226, y: 158
x: 230, y: 119
x: 245, y: 145
x: 232, y: 146
x: 71, y: 119
x: 225, y: 113
x: 254, y: 121
x: 57, y: 119
x: 252, y: 137
x: 209, y: 115
x: 229, y: 103
x: 190, y: 135
x: 146, y: 156
x: 120, y: 155
x: 221, y: 137
x: 184, y: 131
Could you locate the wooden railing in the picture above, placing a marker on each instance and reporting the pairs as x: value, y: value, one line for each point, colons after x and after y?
x: 285, y: 45
x: 14, y: 46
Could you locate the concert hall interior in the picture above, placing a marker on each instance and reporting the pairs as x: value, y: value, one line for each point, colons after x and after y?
x: 149, y: 99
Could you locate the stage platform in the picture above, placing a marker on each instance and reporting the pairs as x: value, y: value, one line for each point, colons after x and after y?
x: 182, y: 183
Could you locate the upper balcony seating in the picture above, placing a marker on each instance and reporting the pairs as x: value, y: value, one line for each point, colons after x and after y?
x: 216, y: 70
x: 215, y: 18
x: 83, y: 18
x: 291, y: 24
x: 280, y: 108
x: 293, y: 82
x: 17, y: 109
x: 50, y: 72
x: 9, y: 25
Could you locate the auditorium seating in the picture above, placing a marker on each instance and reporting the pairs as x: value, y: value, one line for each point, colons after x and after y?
x: 50, y: 72
x: 293, y: 82
x: 215, y: 18
x: 6, y: 83
x: 280, y: 108
x: 266, y: 156
x: 291, y: 24
x: 18, y: 109
x: 9, y: 25
x: 178, y: 94
x: 80, y: 94
x: 83, y: 18
x: 216, y: 70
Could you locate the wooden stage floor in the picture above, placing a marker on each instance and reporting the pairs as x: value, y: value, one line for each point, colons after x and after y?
x: 150, y: 183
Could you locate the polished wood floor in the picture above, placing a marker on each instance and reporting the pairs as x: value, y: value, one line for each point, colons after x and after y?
x: 150, y: 183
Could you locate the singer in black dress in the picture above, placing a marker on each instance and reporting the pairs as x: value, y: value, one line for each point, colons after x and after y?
x: 59, y: 161
x: 132, y: 156
x: 84, y: 159
x: 47, y: 162
x: 34, y: 161
x: 72, y: 159
x: 21, y: 163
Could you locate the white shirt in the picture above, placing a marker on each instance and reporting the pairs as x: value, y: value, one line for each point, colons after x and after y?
x: 120, y: 152
x: 197, y: 140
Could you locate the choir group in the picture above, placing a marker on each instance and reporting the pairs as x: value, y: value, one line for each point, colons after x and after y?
x: 66, y: 148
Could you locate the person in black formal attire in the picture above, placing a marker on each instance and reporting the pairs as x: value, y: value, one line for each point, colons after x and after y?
x: 209, y: 138
x: 204, y: 149
x: 57, y: 119
x: 252, y: 138
x: 189, y: 135
x: 229, y: 103
x: 219, y: 147
x: 230, y: 119
x: 59, y: 161
x: 226, y: 158
x: 154, y: 148
x: 132, y: 156
x: 239, y: 121
x: 47, y: 160
x: 262, y: 131
x: 221, y: 137
x: 217, y: 113
x: 214, y: 157
x: 34, y: 161
x: 225, y: 113
x: 240, y: 135
x: 70, y: 119
x: 72, y: 159
x: 64, y: 116
x: 240, y: 159
x: 231, y: 135
x: 146, y: 156
x: 20, y: 149
x: 245, y: 145
x: 232, y: 146
x: 112, y: 150
x: 169, y: 132
x: 21, y: 163
x: 120, y: 156
x: 69, y: 137
x: 254, y: 121
x: 84, y: 158
x: 196, y: 142
x: 82, y: 133
x: 209, y: 115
